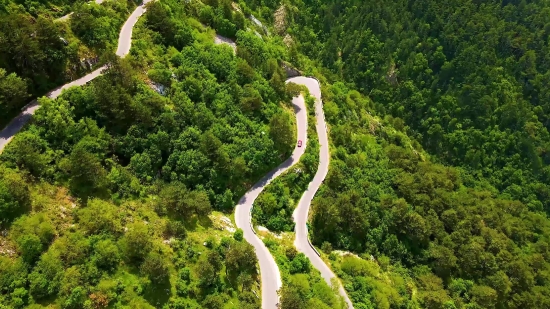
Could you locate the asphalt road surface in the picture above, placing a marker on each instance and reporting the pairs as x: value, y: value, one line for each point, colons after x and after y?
x: 300, y: 214
x: 271, y: 278
x: 125, y: 36
x: 124, y: 44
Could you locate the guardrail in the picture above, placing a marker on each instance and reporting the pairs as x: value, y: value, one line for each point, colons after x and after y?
x: 310, y: 244
x: 250, y: 221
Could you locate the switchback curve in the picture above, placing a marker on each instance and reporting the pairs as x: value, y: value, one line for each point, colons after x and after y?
x: 269, y: 271
x: 300, y: 214
x: 124, y: 44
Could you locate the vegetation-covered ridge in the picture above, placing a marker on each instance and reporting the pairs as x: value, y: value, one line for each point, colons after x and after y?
x: 447, y: 191
x: 111, y: 196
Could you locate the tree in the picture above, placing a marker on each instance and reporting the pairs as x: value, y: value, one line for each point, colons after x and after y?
x: 212, y: 147
x: 251, y: 99
x: 206, y: 272
x: 13, y: 91
x: 294, y: 295
x: 14, y: 196
x: 484, y: 296
x: 158, y: 19
x: 13, y: 274
x: 282, y: 132
x: 73, y: 248
x: 106, y: 255
x: 88, y: 177
x: 45, y: 278
x: 300, y: 264
x: 238, y: 236
x: 136, y: 242
x: 142, y: 166
x: 213, y: 302
x: 55, y: 120
x: 155, y: 267
x: 176, y: 198
x: 236, y: 260
x: 183, y: 37
x: 100, y: 217
x: 30, y: 248
x: 30, y: 152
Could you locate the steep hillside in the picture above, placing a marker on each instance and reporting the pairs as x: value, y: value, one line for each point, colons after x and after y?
x: 112, y: 196
x: 444, y: 194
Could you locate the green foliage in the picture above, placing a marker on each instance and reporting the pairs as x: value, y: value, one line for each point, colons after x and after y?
x: 238, y: 236
x: 106, y: 254
x: 99, y: 217
x: 30, y: 248
x: 300, y: 264
x: 155, y: 267
x: 281, y: 130
x: 14, y: 195
x: 303, y: 286
x: 136, y: 243
x: 13, y: 274
x: 236, y: 259
x: 33, y: 51
x: 417, y: 212
x: 98, y: 25
x: 13, y: 92
x: 145, y: 168
x: 44, y: 280
x: 446, y: 80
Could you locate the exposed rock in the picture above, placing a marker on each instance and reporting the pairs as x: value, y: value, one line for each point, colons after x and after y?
x: 288, y: 40
x: 259, y: 24
x: 290, y: 70
x: 218, y: 39
x: 222, y: 223
x: 344, y: 253
x: 391, y: 76
x: 280, y: 20
x: 236, y: 7
x: 159, y: 88
x: 264, y: 230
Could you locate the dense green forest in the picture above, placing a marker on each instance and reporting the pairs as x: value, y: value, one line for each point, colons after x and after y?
x: 448, y: 192
x: 468, y: 79
x: 39, y: 53
x: 112, y: 196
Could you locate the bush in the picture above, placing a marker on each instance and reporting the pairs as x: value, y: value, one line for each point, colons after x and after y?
x: 30, y: 247
x: 326, y: 247
x: 300, y: 264
x: 155, y: 267
x: 107, y: 254
x: 238, y: 236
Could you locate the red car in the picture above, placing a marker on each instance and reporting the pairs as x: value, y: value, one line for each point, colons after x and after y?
x: 300, y: 143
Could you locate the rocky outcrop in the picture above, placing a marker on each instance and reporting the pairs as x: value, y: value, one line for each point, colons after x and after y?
x: 290, y: 70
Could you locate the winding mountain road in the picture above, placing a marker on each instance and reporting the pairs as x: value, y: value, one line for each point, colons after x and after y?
x: 300, y: 214
x: 270, y: 275
x: 271, y: 278
x: 124, y: 44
